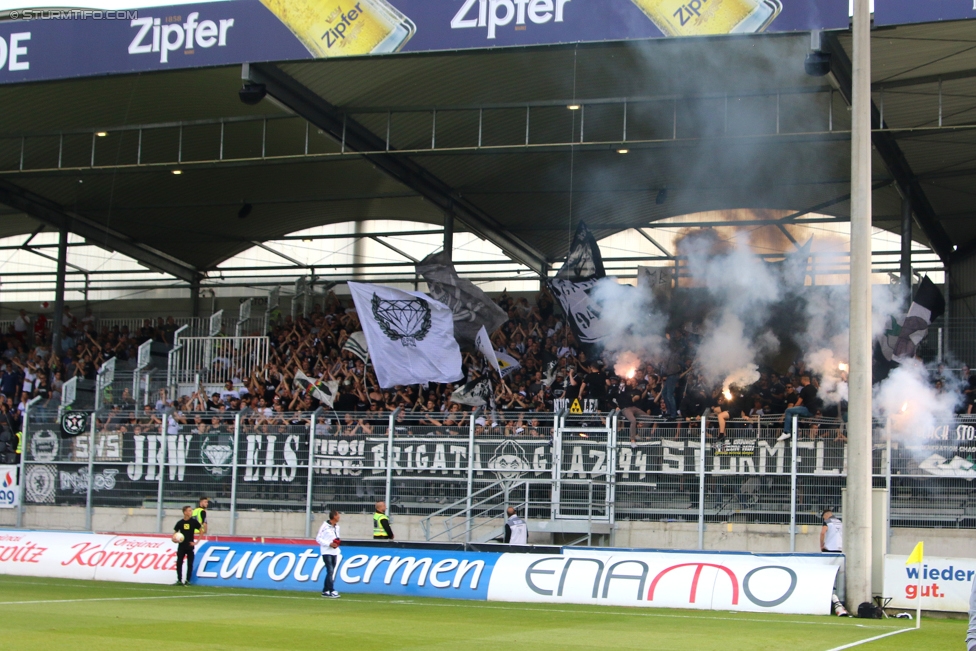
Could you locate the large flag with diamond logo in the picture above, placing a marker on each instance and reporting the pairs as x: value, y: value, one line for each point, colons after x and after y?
x: 410, y: 335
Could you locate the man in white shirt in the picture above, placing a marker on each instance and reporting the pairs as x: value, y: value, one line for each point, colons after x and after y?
x: 832, y: 534
x: 328, y: 540
x: 516, y: 531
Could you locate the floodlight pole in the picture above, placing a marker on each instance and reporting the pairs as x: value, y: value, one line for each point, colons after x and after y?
x: 857, y: 521
x: 57, y: 323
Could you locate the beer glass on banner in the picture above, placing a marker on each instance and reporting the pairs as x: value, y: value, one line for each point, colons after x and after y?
x: 329, y: 28
x: 703, y: 17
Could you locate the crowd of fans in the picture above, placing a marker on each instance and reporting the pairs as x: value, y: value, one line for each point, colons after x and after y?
x: 554, y: 373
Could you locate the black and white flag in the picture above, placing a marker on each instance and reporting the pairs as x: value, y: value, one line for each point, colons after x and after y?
x: 927, y: 306
x: 476, y: 393
x: 471, y: 307
x: 324, y: 392
x: 410, y: 336
x: 583, y: 261
x: 356, y: 344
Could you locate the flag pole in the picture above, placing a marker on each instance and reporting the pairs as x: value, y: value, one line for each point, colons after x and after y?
x: 918, y: 604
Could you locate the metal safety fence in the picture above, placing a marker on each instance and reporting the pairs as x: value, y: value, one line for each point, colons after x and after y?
x: 458, y: 471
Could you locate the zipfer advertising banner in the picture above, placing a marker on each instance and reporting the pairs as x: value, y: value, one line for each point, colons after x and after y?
x: 783, y: 583
x: 897, y: 12
x: 946, y: 583
x: 37, y: 44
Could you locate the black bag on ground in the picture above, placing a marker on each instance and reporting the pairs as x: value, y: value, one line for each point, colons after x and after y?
x: 868, y: 610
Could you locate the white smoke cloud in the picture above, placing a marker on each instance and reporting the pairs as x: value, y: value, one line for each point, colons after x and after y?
x: 913, y: 405
x: 632, y: 324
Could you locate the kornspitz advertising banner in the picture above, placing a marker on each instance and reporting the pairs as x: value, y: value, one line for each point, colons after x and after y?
x: 92, y: 556
x: 946, y: 583
x: 798, y: 584
x: 41, y: 43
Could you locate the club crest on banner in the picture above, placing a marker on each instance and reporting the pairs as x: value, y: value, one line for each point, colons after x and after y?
x: 215, y: 454
x: 405, y: 321
x: 44, y: 446
x: 74, y: 423
x: 509, y: 462
x: 41, y: 484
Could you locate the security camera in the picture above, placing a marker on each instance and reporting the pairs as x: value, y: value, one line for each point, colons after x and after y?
x: 251, y: 94
x: 817, y: 63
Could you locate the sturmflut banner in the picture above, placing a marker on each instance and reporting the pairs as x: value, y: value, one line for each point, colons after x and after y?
x: 783, y: 583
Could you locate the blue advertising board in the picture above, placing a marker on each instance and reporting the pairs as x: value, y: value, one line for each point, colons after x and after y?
x: 898, y: 12
x: 389, y: 571
x: 54, y: 44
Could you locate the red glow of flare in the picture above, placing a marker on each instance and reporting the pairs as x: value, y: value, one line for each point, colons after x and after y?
x: 904, y: 408
x: 727, y: 394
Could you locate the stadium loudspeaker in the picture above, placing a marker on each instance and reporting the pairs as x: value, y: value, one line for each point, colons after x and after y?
x: 251, y: 94
x: 817, y: 63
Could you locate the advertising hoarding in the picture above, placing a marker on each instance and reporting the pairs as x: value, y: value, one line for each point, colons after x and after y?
x: 946, y: 583
x: 51, y: 44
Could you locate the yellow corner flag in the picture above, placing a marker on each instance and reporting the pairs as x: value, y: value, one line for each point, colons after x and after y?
x: 916, y: 555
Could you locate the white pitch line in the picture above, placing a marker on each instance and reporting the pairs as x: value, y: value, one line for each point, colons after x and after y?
x: 69, y: 601
x: 871, y: 639
x: 559, y: 610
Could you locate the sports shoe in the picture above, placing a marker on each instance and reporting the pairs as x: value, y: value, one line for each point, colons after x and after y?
x: 334, y: 594
x: 785, y: 436
x: 326, y: 594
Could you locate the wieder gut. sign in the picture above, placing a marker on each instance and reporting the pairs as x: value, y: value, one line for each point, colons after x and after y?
x: 43, y: 44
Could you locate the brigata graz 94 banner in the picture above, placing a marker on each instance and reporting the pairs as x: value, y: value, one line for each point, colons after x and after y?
x: 783, y: 583
x: 37, y: 44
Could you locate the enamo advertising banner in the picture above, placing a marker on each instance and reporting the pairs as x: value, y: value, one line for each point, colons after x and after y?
x: 37, y: 43
x: 782, y: 583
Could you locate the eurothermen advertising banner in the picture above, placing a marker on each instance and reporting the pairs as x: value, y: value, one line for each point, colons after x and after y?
x: 40, y: 44
x: 781, y: 583
x: 393, y: 571
x: 898, y: 12
x: 945, y: 583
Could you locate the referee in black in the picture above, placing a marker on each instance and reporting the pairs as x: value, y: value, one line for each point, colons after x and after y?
x: 187, y: 526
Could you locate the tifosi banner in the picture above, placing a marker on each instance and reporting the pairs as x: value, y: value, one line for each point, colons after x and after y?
x: 40, y: 44
x: 946, y: 583
x: 134, y: 559
x: 394, y: 571
x: 798, y: 584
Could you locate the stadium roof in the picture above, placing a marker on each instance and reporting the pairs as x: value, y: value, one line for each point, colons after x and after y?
x: 708, y: 124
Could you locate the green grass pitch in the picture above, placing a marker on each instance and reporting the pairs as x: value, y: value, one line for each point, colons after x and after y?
x: 49, y: 614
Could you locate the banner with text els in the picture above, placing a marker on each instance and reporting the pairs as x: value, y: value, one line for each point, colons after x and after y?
x: 40, y: 44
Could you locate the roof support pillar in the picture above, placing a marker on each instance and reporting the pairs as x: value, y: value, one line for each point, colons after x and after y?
x: 906, y: 246
x: 449, y: 235
x: 857, y: 518
x: 57, y: 323
x: 195, y: 297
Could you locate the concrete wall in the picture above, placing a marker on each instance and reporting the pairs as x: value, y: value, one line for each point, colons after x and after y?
x: 635, y: 534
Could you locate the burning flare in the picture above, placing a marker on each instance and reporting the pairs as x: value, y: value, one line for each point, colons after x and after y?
x: 631, y: 373
x: 842, y: 367
x: 727, y: 394
x: 904, y: 408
